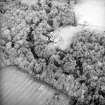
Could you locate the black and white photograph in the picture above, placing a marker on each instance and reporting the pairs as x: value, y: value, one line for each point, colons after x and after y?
x: 52, y: 52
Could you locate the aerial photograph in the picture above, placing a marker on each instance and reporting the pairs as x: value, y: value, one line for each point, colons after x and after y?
x: 52, y: 52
